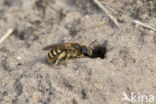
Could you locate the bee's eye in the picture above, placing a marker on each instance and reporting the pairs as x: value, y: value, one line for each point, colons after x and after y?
x: 84, y: 49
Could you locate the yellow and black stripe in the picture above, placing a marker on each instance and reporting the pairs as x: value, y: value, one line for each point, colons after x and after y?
x: 53, y: 53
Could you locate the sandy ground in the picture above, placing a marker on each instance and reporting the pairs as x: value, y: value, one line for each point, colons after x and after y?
x: 129, y: 65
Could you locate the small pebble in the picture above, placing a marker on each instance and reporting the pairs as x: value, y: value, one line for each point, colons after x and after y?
x: 19, y: 58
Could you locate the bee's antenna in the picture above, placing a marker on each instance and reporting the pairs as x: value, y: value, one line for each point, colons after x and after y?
x: 92, y: 43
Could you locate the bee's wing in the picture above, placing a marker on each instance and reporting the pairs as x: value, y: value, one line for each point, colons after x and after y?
x: 61, y: 46
x: 53, y: 46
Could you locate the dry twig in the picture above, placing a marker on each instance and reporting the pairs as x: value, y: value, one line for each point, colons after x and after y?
x: 143, y: 24
x: 106, y: 11
x: 6, y: 35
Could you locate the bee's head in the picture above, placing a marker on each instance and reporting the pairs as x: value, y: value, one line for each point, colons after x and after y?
x: 86, y: 51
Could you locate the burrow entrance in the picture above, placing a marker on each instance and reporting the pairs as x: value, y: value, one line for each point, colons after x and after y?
x: 99, y: 51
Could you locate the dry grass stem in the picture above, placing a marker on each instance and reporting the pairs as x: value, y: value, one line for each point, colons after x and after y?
x: 104, y: 9
x: 143, y: 24
x: 6, y: 35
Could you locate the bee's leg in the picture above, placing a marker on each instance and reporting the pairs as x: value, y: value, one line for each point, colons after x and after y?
x: 61, y: 56
x: 66, y: 60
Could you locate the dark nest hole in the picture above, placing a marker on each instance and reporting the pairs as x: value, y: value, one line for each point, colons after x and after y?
x: 99, y: 51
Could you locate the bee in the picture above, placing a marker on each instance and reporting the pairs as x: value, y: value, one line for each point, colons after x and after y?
x: 60, y: 51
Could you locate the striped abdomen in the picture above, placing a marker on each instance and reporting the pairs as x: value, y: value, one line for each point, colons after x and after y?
x: 53, y: 54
